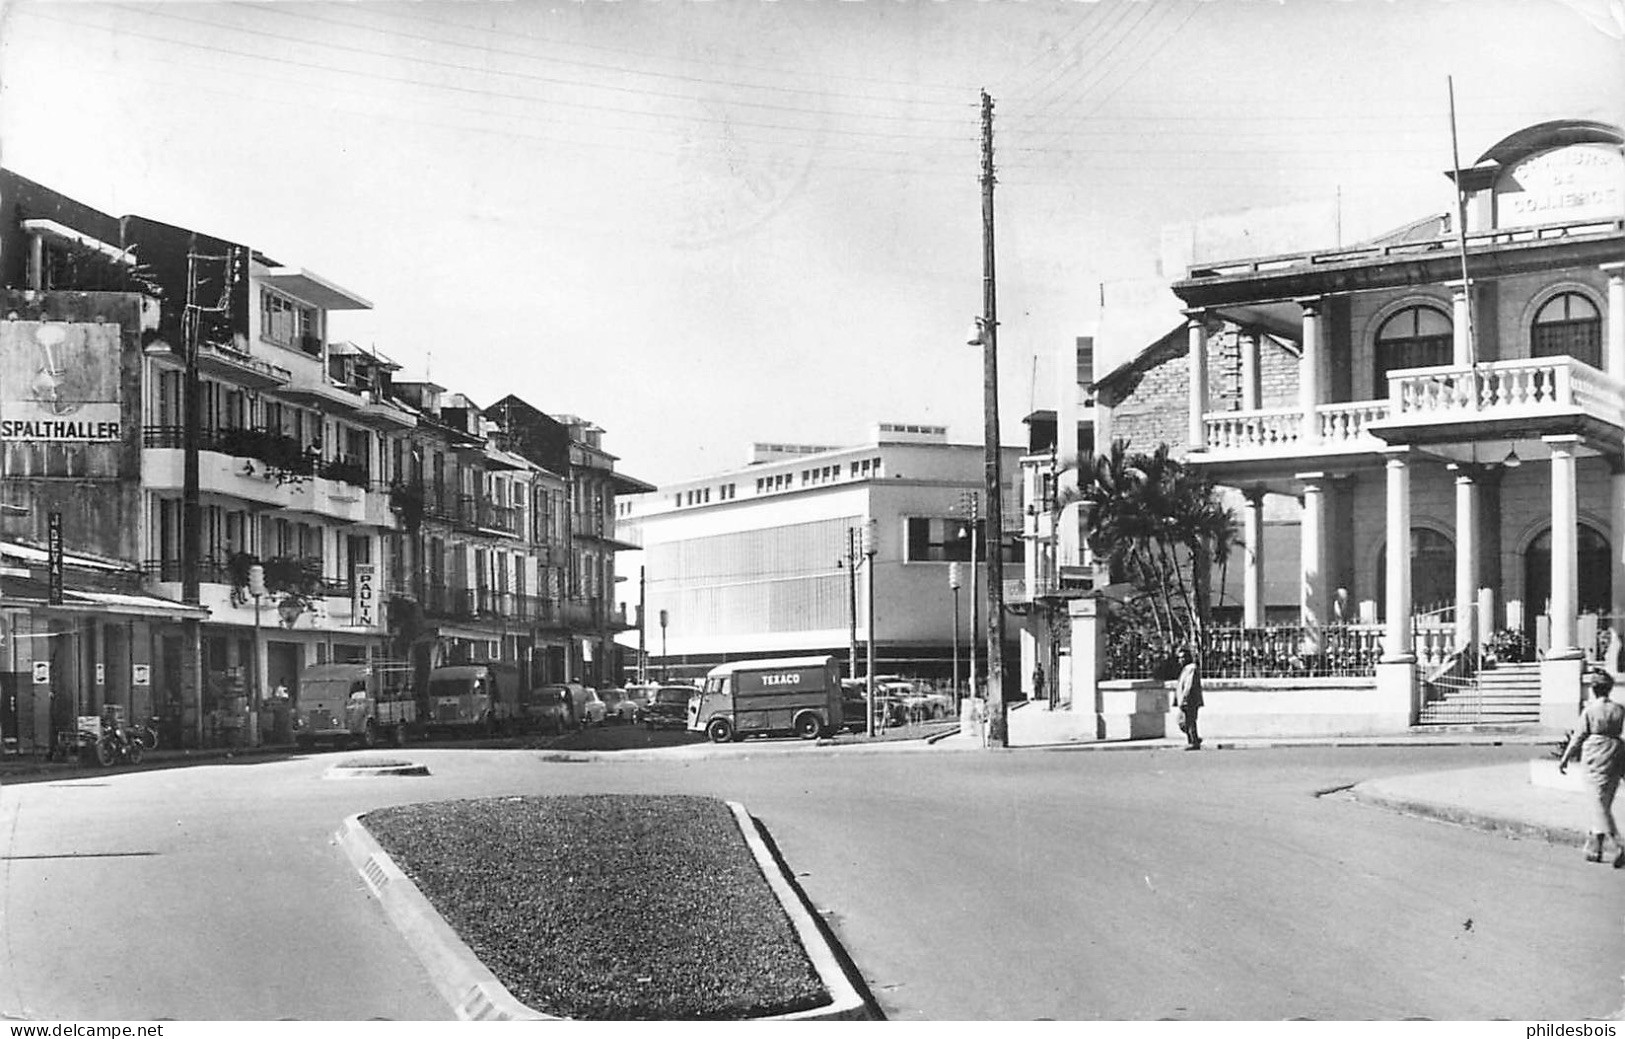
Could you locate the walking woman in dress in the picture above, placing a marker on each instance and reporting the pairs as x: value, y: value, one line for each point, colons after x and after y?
x: 1598, y: 746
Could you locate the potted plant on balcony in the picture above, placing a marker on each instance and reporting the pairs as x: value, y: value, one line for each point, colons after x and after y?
x: 344, y: 470
x: 292, y: 584
x: 1507, y: 646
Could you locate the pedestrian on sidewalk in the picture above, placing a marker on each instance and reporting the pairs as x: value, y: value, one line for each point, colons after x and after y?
x: 1598, y: 745
x: 1188, y: 698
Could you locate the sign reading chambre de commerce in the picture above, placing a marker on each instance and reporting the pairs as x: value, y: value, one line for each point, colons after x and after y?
x: 59, y: 382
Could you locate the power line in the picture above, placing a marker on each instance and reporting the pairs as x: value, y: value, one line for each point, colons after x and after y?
x: 460, y: 67
x: 1077, y: 56
x: 1190, y: 12
x: 302, y: 13
x: 746, y: 66
x: 1101, y: 67
x: 191, y: 84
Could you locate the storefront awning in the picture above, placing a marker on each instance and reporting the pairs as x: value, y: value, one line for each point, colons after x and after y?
x: 31, y: 593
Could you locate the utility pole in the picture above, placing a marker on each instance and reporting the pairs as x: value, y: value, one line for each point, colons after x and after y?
x: 953, y: 583
x: 191, y: 498
x: 997, y: 733
x: 869, y: 550
x: 971, y: 503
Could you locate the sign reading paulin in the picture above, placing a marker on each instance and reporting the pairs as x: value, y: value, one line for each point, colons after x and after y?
x: 59, y: 382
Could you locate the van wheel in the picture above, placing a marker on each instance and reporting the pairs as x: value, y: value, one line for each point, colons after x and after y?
x: 807, y: 726
x: 720, y: 730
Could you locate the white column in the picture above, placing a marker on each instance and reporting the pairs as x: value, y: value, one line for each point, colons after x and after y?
x: 1616, y: 550
x: 1565, y: 548
x: 1461, y: 352
x: 1613, y: 354
x: 1397, y: 616
x: 1309, y: 369
x: 1312, y: 566
x: 1252, y: 596
x: 1467, y: 548
x: 1252, y: 384
x: 1196, y: 330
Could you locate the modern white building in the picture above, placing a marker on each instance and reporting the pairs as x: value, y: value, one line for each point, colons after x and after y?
x: 768, y: 559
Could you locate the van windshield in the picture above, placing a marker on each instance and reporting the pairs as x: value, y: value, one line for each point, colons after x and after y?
x: 452, y: 687
x: 323, y: 690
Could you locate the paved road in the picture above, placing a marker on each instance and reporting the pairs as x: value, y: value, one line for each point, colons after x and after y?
x: 966, y: 886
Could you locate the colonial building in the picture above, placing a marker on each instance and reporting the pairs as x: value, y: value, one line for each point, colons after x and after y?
x: 1457, y: 391
x: 386, y: 518
x: 770, y: 559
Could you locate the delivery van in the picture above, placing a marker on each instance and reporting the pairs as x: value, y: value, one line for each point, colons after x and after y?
x: 365, y: 703
x: 481, y: 698
x: 800, y: 695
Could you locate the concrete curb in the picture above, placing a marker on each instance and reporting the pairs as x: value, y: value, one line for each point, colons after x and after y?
x: 1373, y: 793
x: 473, y: 992
x: 363, y: 771
x: 476, y: 994
x: 846, y: 1004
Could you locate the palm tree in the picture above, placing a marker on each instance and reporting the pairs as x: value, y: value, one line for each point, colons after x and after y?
x: 1157, y: 524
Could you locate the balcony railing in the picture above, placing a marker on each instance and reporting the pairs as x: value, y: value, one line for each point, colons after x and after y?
x: 1240, y: 430
x: 1522, y: 389
x: 274, y: 449
x: 488, y: 515
x: 1505, y: 389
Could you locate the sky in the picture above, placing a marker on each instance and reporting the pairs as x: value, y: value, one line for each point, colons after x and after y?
x: 703, y: 223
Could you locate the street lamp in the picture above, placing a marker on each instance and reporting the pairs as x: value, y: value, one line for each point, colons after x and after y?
x: 869, y: 549
x: 256, y: 588
x: 665, y: 662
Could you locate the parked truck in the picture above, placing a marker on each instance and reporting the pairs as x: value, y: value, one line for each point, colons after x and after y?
x: 482, y: 698
x: 800, y: 695
x: 366, y: 703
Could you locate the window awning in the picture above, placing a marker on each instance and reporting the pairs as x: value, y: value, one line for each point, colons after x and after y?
x: 32, y: 593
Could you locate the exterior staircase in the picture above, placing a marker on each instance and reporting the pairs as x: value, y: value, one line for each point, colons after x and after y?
x: 1505, y: 695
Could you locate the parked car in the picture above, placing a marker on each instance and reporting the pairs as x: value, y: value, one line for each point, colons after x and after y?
x: 920, y: 702
x: 619, y: 708
x: 590, y: 708
x: 668, y: 707
x: 582, y: 705
x: 890, y: 709
x: 548, y: 708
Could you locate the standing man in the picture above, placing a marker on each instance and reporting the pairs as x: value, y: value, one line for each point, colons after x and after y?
x: 1038, y: 681
x: 1188, y: 698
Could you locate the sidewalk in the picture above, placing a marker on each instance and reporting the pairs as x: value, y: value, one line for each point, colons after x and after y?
x: 1499, y: 798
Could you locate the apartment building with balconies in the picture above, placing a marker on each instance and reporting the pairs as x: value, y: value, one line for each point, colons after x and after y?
x: 1456, y: 387
x: 576, y: 488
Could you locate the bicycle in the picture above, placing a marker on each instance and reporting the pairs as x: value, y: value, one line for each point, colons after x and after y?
x: 145, y: 733
x: 117, y: 744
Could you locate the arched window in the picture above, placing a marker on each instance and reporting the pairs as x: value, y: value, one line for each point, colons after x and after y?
x: 1415, y: 337
x: 1596, y: 578
x: 1568, y: 324
x: 1433, y: 572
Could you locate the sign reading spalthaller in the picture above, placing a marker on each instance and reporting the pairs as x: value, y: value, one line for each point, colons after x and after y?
x: 59, y: 382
